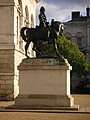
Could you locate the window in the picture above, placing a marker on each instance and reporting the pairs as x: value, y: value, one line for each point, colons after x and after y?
x: 19, y: 24
x: 79, y: 37
x: 79, y: 41
x: 68, y: 36
x: 32, y: 21
x: 17, y: 30
x: 26, y: 17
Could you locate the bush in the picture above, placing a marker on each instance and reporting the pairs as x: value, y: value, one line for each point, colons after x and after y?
x: 71, y: 52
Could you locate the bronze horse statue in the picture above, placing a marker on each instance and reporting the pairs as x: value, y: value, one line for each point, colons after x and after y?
x: 43, y: 34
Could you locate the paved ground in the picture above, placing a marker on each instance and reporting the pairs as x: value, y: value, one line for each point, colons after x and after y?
x: 42, y: 116
x: 13, y: 114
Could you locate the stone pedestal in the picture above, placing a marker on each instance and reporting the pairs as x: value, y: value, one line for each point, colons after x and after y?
x: 45, y: 83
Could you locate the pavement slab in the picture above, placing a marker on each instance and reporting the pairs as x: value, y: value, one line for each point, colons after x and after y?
x: 42, y: 116
x: 7, y: 106
x: 26, y: 114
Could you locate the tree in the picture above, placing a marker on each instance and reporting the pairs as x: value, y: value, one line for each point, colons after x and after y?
x: 71, y: 52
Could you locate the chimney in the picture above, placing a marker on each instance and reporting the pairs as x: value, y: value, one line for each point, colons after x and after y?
x: 75, y: 15
x: 88, y: 11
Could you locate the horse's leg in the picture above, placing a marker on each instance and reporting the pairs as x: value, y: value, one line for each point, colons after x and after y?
x: 34, y: 49
x: 56, y: 50
x: 26, y: 47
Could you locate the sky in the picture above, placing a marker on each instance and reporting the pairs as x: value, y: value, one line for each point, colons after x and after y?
x: 61, y: 9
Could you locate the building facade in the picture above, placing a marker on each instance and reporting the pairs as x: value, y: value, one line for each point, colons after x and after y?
x: 14, y: 14
x: 78, y: 30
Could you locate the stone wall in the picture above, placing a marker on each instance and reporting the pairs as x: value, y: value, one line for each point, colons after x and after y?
x: 6, y: 74
x: 73, y: 29
x: 18, y: 56
x: 10, y: 58
x: 14, y: 14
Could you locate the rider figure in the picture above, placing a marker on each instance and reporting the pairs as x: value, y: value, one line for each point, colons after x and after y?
x: 44, y: 23
x: 43, y: 19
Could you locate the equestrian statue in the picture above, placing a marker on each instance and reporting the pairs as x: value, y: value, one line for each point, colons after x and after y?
x: 44, y: 32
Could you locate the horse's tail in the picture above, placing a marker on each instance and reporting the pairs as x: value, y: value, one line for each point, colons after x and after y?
x: 22, y: 33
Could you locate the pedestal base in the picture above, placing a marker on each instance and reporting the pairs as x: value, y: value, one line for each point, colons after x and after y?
x: 46, y: 102
x: 45, y: 84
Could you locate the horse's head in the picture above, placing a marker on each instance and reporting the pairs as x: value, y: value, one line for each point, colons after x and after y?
x: 58, y: 27
x: 55, y: 25
x: 62, y: 27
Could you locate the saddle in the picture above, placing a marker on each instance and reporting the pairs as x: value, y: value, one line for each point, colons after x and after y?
x: 44, y: 29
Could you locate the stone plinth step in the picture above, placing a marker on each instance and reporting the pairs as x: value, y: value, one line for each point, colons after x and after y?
x: 33, y: 107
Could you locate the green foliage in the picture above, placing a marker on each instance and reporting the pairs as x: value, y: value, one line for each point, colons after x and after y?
x: 71, y: 52
x: 48, y: 50
x: 75, y: 57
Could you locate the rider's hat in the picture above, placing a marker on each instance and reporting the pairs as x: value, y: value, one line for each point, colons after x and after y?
x: 42, y: 9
